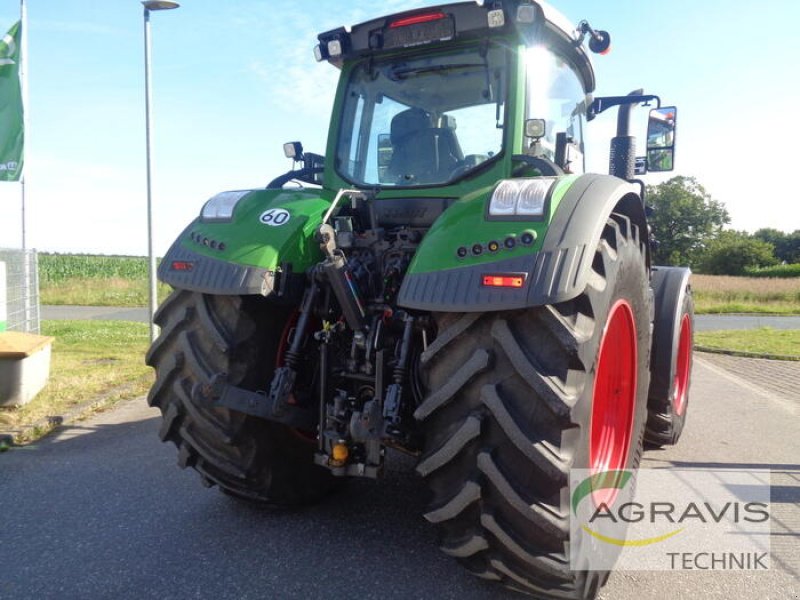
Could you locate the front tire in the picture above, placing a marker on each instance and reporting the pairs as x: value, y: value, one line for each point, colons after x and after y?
x: 517, y: 399
x: 247, y: 457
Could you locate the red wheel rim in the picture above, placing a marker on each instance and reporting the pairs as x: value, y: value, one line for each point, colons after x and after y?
x: 683, y: 366
x: 614, y: 397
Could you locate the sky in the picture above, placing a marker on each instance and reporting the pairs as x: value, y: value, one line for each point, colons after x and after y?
x: 233, y: 81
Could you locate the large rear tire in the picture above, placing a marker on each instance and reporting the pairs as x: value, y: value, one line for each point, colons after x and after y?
x: 669, y: 391
x: 517, y: 399
x: 248, y: 457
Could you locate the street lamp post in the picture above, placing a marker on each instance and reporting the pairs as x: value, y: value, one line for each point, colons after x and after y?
x: 151, y: 5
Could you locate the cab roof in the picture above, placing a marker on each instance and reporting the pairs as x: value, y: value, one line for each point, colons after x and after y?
x: 532, y: 22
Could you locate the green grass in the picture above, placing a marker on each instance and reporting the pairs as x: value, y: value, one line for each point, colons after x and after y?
x: 764, y: 340
x: 100, y: 292
x: 90, y: 360
x: 705, y: 306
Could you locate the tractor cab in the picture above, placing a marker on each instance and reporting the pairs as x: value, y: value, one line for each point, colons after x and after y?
x: 436, y: 97
x: 430, y: 98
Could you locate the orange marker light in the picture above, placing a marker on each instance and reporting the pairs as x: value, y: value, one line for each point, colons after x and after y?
x: 505, y: 281
x: 339, y: 455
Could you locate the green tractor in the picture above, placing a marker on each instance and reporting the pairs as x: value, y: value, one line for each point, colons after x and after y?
x: 445, y: 282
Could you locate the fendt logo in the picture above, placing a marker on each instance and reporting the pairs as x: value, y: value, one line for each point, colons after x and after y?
x: 664, y: 519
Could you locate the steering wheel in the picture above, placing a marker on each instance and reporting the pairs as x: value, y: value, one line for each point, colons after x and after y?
x: 470, y: 162
x: 545, y: 166
x: 459, y: 170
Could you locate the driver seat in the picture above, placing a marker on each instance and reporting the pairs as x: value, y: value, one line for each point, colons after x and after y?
x: 421, y: 153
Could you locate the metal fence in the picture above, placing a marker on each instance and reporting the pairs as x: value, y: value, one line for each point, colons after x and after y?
x: 21, y: 290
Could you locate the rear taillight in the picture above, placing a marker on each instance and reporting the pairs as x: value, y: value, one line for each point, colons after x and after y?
x: 515, y: 280
x: 182, y: 265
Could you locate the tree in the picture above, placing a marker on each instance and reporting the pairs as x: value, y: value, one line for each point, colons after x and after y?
x: 732, y: 252
x: 771, y: 236
x: 787, y: 245
x: 790, y: 250
x: 684, y: 220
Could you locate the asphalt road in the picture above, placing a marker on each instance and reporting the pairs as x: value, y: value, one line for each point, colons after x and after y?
x: 94, y: 313
x: 101, y: 511
x: 702, y: 322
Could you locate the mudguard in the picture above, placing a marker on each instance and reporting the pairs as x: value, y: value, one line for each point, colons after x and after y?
x: 253, y: 252
x: 670, y: 286
x: 556, y: 269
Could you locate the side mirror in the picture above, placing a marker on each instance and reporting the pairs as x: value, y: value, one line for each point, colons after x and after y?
x: 661, y: 139
x: 293, y: 150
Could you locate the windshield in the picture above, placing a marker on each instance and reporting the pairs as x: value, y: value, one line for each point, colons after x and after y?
x: 424, y: 120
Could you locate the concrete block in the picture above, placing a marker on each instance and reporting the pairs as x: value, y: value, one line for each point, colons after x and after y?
x: 24, y: 366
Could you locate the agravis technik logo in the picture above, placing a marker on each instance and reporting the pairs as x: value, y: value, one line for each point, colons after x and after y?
x: 629, y: 512
x: 672, y: 519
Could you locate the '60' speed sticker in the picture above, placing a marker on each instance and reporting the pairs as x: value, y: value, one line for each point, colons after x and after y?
x: 275, y: 217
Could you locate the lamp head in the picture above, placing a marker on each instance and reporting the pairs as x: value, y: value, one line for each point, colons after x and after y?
x: 159, y: 4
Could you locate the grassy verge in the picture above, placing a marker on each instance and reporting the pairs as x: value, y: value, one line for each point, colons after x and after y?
x: 96, y: 291
x: 92, y: 280
x: 722, y: 294
x: 764, y: 340
x: 91, y: 360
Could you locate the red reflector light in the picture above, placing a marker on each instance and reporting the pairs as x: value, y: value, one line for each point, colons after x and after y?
x: 182, y: 265
x: 416, y: 19
x: 506, y: 281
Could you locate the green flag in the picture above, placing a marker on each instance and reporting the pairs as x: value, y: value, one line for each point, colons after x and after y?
x: 12, y: 133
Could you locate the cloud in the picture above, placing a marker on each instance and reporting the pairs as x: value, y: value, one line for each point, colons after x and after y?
x: 294, y: 80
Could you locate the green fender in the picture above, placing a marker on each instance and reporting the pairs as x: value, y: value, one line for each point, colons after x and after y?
x: 250, y: 253
x: 555, y: 269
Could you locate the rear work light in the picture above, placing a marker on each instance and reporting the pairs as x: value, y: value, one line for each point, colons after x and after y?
x: 507, y: 280
x: 333, y: 45
x: 335, y: 48
x: 496, y: 18
x: 521, y: 198
x: 417, y: 19
x: 220, y: 208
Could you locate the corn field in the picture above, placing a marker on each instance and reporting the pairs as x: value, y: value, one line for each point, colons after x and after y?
x: 58, y: 268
